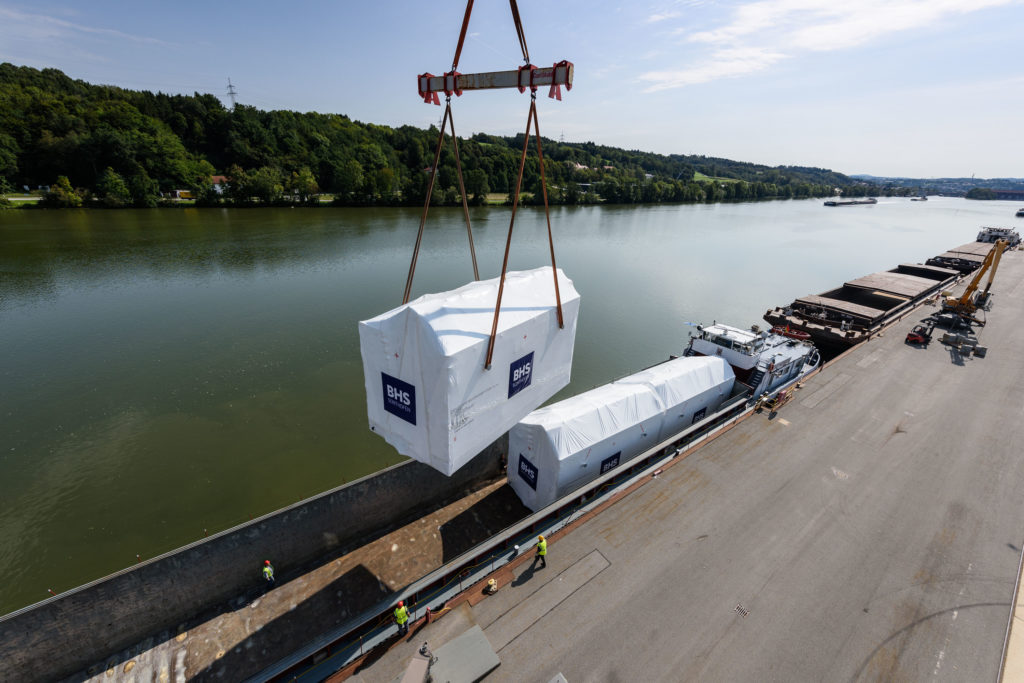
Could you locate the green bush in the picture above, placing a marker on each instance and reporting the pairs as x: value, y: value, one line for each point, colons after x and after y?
x: 62, y: 195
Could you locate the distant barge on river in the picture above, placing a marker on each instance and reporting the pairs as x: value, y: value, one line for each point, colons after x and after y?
x: 850, y: 202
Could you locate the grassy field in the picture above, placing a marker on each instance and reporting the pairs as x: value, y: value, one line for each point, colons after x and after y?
x: 697, y: 175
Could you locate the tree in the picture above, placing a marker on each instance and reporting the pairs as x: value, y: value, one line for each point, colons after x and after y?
x: 303, y: 184
x: 477, y: 186
x: 414, y: 157
x: 8, y: 156
x: 5, y: 189
x: 112, y: 190
x: 387, y: 184
x: 144, y: 190
x: 349, y: 178
x: 265, y: 184
x: 62, y: 195
x: 239, y: 187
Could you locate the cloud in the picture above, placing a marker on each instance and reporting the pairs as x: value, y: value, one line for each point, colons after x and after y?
x: 661, y: 16
x: 758, y: 34
x: 43, y: 27
x: 728, y: 63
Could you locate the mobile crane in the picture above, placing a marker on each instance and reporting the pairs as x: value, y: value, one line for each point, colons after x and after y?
x: 982, y: 300
x: 967, y: 304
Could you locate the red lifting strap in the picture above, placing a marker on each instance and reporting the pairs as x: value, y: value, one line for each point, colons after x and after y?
x: 462, y: 34
x: 556, y: 90
x: 450, y: 79
x: 533, y: 70
x: 428, y: 97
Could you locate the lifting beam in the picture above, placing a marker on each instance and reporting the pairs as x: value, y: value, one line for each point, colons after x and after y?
x: 454, y: 83
x: 428, y: 85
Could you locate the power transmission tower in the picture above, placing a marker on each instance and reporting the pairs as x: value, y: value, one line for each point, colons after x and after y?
x: 231, y: 92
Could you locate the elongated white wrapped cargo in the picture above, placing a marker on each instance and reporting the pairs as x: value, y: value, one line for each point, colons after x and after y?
x: 427, y: 391
x: 559, y: 448
x: 689, y: 388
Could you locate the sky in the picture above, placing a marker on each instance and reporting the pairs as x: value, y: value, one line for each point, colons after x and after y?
x: 911, y: 88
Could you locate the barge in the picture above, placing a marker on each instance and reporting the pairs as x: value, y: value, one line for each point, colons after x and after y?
x: 965, y: 259
x: 852, y: 313
x: 850, y: 202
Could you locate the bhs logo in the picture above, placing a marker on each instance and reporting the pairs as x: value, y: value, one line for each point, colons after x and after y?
x: 519, y: 374
x: 528, y: 472
x: 399, y: 398
x: 611, y: 462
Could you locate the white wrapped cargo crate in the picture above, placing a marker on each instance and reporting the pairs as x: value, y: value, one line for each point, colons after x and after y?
x: 557, y: 449
x: 560, y: 447
x: 427, y: 391
x: 689, y: 388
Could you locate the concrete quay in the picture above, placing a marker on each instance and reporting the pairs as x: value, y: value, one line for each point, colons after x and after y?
x: 870, y: 530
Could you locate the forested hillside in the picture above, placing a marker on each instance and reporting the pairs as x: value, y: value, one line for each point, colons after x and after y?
x: 125, y: 147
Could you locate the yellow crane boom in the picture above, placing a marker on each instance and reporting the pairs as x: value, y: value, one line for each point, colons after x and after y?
x: 965, y: 304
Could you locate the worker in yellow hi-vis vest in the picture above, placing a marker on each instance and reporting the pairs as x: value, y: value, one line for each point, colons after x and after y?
x: 542, y: 551
x: 268, y: 574
x: 402, y: 618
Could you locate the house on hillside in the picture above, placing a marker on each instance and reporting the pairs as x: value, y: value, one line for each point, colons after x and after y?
x: 220, y: 183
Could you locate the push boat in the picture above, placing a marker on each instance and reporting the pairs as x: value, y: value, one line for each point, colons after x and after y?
x: 990, y: 235
x: 764, y: 361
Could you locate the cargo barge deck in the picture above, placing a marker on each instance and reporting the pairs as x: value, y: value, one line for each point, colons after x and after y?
x: 965, y: 259
x: 850, y: 314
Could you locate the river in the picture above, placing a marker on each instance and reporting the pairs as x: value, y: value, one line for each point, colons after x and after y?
x: 171, y: 373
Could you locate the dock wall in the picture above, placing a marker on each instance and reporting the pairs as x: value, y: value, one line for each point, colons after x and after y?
x: 68, y: 633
